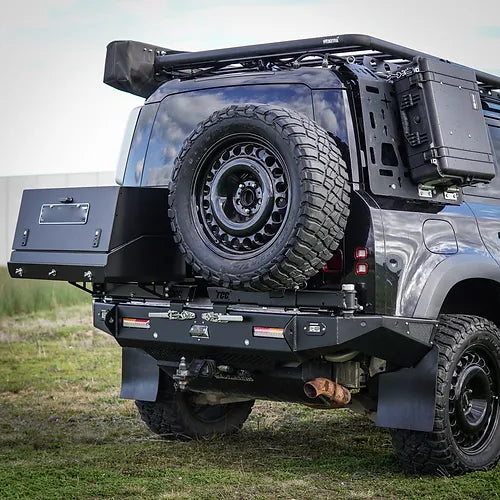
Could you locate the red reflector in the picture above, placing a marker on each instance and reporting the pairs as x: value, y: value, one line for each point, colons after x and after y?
x: 136, y: 323
x: 361, y: 268
x: 335, y: 264
x: 361, y: 253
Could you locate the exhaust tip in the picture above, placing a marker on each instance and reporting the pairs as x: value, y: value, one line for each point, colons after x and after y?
x: 336, y: 393
x: 310, y: 391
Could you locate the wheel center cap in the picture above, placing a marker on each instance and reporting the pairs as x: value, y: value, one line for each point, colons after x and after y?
x: 247, y: 199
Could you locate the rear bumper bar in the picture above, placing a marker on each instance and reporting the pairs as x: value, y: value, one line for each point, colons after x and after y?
x: 169, y: 331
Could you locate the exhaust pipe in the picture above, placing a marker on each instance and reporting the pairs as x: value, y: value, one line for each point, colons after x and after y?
x: 336, y: 393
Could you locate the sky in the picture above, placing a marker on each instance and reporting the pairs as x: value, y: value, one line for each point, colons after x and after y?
x: 58, y: 116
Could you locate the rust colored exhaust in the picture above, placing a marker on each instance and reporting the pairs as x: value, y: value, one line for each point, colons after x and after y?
x: 336, y: 393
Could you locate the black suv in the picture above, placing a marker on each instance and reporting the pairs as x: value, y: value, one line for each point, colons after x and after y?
x: 314, y: 221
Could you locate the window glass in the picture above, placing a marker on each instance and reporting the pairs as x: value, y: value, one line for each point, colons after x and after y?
x: 329, y: 112
x: 139, y: 145
x: 492, y: 189
x: 180, y: 113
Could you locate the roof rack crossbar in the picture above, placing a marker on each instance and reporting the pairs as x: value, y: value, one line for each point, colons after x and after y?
x: 336, y: 45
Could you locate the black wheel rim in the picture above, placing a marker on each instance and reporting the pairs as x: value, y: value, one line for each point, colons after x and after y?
x: 473, y: 399
x: 241, y: 195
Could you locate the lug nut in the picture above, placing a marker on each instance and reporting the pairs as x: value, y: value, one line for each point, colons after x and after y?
x: 241, y: 186
x: 247, y: 210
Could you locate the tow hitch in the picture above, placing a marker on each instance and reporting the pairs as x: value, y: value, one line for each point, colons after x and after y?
x: 209, y: 369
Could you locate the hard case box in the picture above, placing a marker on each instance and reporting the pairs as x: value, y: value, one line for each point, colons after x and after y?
x: 446, y: 136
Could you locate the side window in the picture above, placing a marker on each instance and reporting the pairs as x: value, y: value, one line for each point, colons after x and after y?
x: 491, y: 190
x: 495, y: 141
x: 139, y: 145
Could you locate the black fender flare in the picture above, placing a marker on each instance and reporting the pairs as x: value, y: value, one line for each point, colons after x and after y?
x: 447, y: 274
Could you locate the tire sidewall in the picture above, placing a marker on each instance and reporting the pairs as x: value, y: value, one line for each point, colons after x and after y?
x: 491, y: 453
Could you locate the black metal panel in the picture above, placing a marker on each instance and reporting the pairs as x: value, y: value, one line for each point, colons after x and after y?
x: 328, y: 299
x: 126, y: 237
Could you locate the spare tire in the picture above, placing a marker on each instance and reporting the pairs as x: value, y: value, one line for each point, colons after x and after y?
x: 259, y: 198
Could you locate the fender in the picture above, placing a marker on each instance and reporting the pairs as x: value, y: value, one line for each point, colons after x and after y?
x: 447, y: 274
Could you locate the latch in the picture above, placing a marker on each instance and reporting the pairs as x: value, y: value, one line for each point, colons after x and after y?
x: 97, y: 237
x: 221, y: 318
x: 171, y: 314
x: 425, y: 191
x: 24, y: 239
x: 451, y: 193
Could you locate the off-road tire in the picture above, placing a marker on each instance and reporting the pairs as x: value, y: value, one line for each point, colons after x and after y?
x: 174, y: 416
x: 439, y: 451
x: 317, y: 192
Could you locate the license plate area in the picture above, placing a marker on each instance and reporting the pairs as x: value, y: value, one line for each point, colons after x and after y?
x: 64, y: 213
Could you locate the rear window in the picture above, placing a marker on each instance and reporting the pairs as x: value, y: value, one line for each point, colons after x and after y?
x: 179, y: 114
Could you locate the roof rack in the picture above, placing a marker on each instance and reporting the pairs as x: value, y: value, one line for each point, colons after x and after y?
x: 140, y: 68
x: 264, y: 55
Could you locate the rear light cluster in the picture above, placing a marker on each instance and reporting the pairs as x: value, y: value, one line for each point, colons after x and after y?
x: 361, y: 254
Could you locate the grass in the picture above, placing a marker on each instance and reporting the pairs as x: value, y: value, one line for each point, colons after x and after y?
x: 27, y: 296
x: 64, y: 433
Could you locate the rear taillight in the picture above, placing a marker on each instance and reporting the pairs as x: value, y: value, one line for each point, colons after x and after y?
x: 361, y: 253
x: 361, y: 267
x: 136, y: 323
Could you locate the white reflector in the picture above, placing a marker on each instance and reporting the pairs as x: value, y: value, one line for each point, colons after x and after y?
x: 264, y: 331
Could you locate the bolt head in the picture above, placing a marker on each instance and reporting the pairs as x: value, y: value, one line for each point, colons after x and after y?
x: 241, y: 186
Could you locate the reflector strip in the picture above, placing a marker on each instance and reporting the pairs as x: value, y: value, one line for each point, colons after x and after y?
x: 136, y: 323
x: 263, y: 331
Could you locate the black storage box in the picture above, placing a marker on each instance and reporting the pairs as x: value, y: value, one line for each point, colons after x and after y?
x: 95, y: 234
x: 446, y: 135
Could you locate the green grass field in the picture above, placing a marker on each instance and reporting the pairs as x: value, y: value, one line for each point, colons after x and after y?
x: 64, y: 433
x: 26, y: 296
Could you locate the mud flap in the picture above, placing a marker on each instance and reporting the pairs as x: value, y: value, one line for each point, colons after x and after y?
x: 407, y: 397
x: 140, y: 375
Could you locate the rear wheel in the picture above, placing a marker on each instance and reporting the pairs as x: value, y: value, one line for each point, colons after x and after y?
x: 176, y: 415
x: 259, y: 198
x: 466, y: 435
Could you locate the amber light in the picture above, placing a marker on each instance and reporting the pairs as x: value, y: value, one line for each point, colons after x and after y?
x: 361, y: 253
